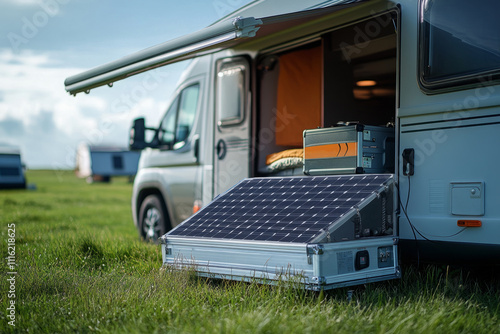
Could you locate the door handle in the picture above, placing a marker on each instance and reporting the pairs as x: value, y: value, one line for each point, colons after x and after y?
x: 196, y: 147
x: 221, y: 149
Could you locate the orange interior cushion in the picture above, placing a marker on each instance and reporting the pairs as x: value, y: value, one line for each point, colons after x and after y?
x: 299, y: 95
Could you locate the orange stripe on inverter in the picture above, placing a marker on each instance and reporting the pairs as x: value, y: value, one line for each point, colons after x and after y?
x: 331, y: 151
x: 343, y: 149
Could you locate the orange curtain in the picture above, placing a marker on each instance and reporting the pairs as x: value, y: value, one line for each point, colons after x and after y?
x: 299, y: 95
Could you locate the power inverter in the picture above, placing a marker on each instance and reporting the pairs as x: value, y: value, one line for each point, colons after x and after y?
x: 349, y: 149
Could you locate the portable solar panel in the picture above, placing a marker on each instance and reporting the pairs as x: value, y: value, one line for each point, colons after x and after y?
x: 327, y: 230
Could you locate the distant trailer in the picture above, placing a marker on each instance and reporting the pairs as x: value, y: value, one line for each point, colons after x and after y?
x: 100, y: 163
x: 11, y: 169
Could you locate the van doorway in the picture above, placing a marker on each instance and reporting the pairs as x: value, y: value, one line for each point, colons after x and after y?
x: 346, y: 76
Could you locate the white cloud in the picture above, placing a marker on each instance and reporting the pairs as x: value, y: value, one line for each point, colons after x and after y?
x: 34, y: 101
x: 39, y: 116
x: 30, y: 84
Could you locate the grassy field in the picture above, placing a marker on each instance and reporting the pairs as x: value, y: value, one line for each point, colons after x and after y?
x: 82, y: 268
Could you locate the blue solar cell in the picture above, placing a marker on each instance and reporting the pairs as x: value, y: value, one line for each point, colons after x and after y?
x: 294, y: 209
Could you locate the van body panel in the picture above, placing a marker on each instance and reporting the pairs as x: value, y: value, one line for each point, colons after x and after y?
x: 175, y: 172
x: 448, y: 152
x: 453, y: 134
x: 176, y: 184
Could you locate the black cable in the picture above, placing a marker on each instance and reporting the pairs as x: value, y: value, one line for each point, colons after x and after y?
x: 413, y: 228
x: 405, y: 209
x: 408, y: 196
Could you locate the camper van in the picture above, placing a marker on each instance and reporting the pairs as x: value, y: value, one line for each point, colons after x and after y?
x: 98, y: 163
x: 327, y: 138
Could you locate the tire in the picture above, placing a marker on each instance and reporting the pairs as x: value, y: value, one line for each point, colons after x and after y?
x: 153, y: 220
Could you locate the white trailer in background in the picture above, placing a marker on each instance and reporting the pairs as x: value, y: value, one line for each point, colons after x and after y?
x: 100, y: 163
x: 282, y: 88
x: 11, y: 169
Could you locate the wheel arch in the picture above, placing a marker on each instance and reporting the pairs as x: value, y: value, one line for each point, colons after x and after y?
x: 145, y: 192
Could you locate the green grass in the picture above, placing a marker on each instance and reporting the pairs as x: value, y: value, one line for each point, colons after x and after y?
x: 82, y: 268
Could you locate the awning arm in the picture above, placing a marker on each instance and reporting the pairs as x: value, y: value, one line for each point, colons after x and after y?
x: 166, y: 53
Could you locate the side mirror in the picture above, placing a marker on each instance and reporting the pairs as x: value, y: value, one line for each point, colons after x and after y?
x: 137, y: 135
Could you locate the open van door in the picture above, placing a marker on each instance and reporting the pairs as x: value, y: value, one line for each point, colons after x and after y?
x: 232, y: 128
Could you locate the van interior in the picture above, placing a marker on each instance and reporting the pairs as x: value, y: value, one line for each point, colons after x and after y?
x: 344, y: 77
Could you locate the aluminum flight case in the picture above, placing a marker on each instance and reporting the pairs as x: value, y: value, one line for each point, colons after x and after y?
x: 349, y: 149
x: 320, y: 232
x: 314, y: 266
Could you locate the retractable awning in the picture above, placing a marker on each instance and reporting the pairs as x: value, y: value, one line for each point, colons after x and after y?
x: 211, y: 39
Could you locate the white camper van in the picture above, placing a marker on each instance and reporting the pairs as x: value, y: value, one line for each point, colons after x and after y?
x: 359, y: 129
x: 98, y: 163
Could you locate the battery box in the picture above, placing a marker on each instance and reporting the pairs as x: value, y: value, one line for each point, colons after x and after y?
x: 349, y: 149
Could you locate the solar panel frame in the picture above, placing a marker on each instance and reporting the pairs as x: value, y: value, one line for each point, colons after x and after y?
x: 299, y: 209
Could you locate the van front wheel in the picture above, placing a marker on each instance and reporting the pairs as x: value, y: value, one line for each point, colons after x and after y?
x: 152, y: 218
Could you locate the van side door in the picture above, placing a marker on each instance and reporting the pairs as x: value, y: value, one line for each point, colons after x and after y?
x: 232, y: 123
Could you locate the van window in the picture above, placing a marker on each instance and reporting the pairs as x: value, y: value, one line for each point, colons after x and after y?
x: 179, y: 119
x: 459, y: 41
x: 167, y: 127
x: 230, y: 93
x: 187, y: 112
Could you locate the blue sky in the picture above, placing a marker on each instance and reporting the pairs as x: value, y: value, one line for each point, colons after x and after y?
x: 44, y: 41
